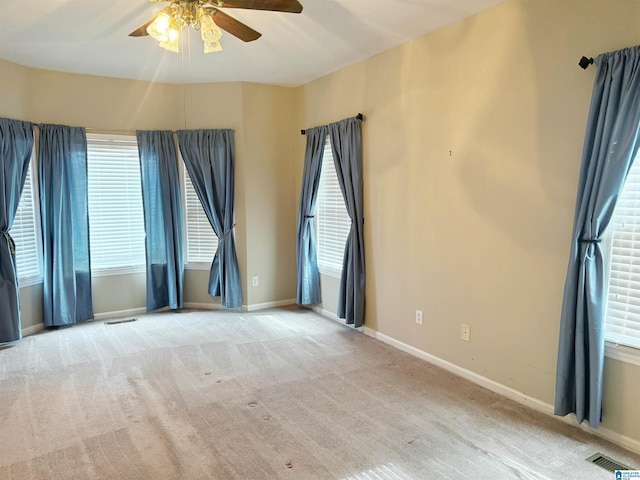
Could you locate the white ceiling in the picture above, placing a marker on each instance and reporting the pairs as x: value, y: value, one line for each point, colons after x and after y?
x: 91, y: 37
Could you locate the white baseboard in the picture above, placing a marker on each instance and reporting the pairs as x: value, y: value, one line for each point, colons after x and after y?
x: 332, y: 316
x: 263, y: 306
x: 604, y: 432
x: 464, y: 373
x: 119, y: 313
x: 32, y: 330
x: 519, y: 397
x: 203, y: 306
x: 327, y: 313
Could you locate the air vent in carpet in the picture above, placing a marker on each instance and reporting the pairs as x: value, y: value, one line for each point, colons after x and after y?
x: 118, y: 322
x: 607, y: 463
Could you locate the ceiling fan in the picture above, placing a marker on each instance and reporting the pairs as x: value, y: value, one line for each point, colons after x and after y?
x: 204, y: 15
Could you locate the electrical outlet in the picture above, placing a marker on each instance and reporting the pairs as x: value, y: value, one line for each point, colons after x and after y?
x: 465, y: 332
x: 419, y: 317
x: 256, y: 281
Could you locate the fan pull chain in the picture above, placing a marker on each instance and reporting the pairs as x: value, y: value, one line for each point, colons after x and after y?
x: 187, y: 82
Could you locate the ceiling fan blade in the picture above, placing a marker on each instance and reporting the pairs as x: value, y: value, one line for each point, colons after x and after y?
x: 291, y: 6
x: 235, y: 27
x: 141, y: 31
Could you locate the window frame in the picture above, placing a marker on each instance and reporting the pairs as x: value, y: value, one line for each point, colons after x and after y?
x: 119, y: 270
x: 32, y: 178
x: 334, y: 268
x: 194, y: 264
x: 614, y: 349
x: 622, y: 353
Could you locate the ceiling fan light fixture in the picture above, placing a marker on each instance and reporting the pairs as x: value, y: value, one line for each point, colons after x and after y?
x: 209, y: 31
x: 172, y: 43
x: 212, y: 47
x: 159, y: 28
x: 199, y: 14
x: 170, y: 46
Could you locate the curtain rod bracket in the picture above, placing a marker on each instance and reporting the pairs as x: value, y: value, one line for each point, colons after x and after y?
x: 585, y: 62
x: 358, y: 116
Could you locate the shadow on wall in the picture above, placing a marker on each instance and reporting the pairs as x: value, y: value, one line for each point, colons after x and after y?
x: 516, y: 146
x: 521, y: 135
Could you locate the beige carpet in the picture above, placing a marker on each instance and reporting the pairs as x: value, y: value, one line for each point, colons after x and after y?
x: 277, y: 394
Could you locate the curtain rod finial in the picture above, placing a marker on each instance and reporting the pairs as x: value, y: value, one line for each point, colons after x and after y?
x: 585, y: 62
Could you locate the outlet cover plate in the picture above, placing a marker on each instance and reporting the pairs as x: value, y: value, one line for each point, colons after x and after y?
x: 465, y: 332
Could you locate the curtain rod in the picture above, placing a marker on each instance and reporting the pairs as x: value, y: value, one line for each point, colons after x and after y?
x: 585, y: 62
x: 358, y: 116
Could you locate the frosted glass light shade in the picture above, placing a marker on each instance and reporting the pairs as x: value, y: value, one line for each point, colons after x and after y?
x: 168, y: 24
x: 212, y: 47
x: 172, y: 43
x: 160, y: 26
x: 209, y: 31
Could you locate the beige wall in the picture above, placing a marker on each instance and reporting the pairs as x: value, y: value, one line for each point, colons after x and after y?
x: 103, y: 103
x: 330, y: 289
x: 472, y: 145
x: 31, y: 307
x: 268, y: 115
x: 15, y: 83
x: 116, y: 294
x: 264, y: 165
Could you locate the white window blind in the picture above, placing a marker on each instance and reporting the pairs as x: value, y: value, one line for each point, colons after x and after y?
x: 333, y: 221
x: 25, y: 232
x: 622, y: 324
x: 202, y: 242
x: 116, y: 218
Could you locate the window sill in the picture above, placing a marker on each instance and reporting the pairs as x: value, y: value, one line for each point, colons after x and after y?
x: 29, y: 281
x: 111, y: 272
x: 198, y: 266
x: 329, y: 272
x: 622, y: 353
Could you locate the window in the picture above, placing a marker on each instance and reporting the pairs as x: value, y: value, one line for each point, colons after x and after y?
x: 202, y: 242
x: 333, y: 221
x: 26, y: 232
x: 622, y: 323
x: 116, y: 218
